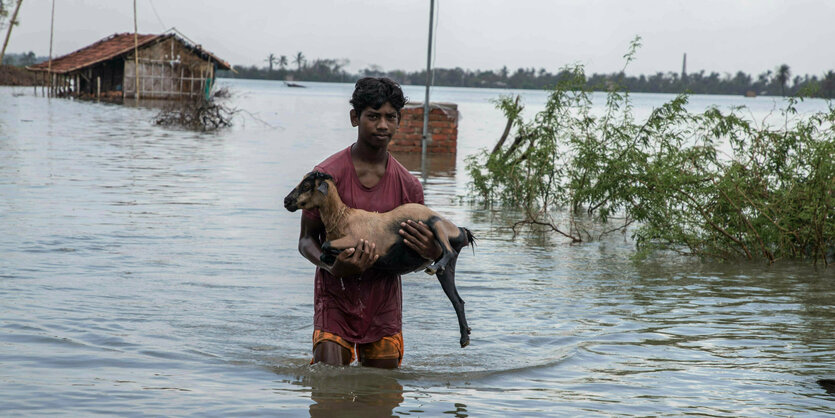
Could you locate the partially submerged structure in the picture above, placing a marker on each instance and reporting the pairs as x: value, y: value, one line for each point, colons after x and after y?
x: 169, y: 67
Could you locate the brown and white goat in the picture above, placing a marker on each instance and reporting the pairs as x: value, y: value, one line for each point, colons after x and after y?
x: 345, y: 227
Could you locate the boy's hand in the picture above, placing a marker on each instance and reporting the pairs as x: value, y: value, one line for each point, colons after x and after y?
x: 418, y: 236
x: 354, y: 261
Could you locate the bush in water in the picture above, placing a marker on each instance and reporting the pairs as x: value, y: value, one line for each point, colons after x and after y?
x: 710, y: 184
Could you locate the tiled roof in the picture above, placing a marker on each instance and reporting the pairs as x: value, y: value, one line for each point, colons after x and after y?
x: 109, y: 48
x: 102, y: 50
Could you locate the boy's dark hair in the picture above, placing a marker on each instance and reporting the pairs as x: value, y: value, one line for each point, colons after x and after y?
x: 374, y: 92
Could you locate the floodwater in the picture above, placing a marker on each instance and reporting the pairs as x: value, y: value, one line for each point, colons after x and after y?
x: 150, y: 271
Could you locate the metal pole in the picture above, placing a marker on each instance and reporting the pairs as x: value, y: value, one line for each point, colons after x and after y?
x: 426, y: 136
x: 49, y: 66
x: 135, y: 53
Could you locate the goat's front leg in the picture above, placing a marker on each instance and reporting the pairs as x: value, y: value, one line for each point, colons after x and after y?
x: 342, y: 244
x: 331, y: 249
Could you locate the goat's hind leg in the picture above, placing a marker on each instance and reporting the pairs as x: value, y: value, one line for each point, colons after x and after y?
x: 447, y: 279
x: 439, y: 228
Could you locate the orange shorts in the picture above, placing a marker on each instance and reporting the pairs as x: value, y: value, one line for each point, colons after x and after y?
x: 386, y: 348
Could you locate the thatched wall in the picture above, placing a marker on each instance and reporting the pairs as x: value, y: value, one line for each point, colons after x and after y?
x: 167, y: 70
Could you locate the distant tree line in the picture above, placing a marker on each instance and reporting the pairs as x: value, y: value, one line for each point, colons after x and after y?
x: 278, y: 68
x: 775, y: 82
x: 23, y: 59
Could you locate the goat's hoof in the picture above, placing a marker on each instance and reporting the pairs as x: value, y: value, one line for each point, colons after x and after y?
x: 465, y: 341
x: 430, y: 270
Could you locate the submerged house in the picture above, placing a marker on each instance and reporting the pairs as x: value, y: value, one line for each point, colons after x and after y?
x: 170, y: 67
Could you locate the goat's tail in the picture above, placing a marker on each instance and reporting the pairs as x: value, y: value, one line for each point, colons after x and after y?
x: 470, y: 238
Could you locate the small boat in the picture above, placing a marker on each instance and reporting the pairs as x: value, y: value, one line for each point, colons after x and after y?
x: 291, y: 84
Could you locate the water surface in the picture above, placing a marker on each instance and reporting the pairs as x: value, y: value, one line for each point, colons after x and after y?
x: 150, y: 271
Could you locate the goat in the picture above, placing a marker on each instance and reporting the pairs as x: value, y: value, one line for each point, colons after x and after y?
x: 345, y: 226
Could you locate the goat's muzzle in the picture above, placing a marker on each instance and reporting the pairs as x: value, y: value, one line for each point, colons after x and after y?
x: 290, y: 202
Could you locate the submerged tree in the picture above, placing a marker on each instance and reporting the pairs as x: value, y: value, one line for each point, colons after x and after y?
x: 198, y: 113
x: 710, y: 184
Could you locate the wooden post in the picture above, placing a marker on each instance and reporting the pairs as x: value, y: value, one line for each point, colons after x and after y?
x: 98, y: 87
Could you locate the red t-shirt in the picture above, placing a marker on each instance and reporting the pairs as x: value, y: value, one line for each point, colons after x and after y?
x: 368, y: 308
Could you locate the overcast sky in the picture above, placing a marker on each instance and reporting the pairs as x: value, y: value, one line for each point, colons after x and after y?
x: 717, y: 35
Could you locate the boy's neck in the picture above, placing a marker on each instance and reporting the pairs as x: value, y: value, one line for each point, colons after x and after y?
x: 368, y: 155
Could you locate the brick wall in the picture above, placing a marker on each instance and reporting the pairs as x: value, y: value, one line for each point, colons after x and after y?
x: 443, y: 124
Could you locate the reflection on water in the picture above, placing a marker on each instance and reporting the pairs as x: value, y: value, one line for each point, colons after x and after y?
x: 152, y: 271
x: 353, y: 394
x: 437, y: 165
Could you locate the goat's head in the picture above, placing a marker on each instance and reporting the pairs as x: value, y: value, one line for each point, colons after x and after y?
x: 310, y: 193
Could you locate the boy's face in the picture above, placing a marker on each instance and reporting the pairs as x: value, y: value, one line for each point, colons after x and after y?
x: 376, y: 127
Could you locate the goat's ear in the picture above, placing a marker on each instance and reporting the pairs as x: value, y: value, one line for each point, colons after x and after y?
x: 323, y: 187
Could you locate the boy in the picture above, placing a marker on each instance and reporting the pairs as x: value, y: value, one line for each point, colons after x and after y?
x: 358, y: 310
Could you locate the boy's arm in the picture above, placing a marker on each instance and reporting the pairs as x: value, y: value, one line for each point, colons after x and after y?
x: 350, y: 262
